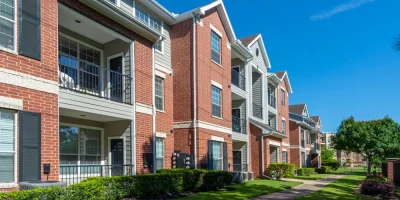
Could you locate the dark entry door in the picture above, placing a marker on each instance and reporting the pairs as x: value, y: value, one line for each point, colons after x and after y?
x: 117, y: 157
x: 396, y: 173
x: 237, y: 161
x: 116, y: 79
x: 236, y: 122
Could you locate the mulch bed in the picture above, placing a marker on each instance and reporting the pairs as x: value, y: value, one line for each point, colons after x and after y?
x: 358, y: 193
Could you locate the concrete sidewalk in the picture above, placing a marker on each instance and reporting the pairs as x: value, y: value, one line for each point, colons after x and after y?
x: 308, y: 187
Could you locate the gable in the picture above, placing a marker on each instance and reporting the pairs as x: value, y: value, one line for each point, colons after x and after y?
x: 305, y: 111
x: 258, y: 60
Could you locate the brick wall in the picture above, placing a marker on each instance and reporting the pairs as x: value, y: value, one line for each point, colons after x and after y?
x: 294, y: 133
x: 255, y: 150
x: 295, y: 157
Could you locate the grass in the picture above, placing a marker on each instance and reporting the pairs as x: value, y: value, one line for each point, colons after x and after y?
x: 246, y: 190
x: 350, y: 170
x: 342, y: 189
x: 312, y: 177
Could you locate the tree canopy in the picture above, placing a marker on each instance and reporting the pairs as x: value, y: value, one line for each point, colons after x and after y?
x: 327, y: 155
x: 375, y: 139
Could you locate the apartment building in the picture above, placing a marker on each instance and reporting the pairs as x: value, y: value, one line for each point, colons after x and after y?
x: 326, y: 140
x: 350, y: 159
x: 305, y: 137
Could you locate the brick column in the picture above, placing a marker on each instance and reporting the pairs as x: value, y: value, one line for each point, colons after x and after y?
x: 390, y: 167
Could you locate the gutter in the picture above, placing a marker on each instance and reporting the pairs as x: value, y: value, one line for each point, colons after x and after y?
x: 194, y: 94
x: 133, y: 98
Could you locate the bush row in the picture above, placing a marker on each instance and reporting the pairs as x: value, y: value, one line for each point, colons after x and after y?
x: 279, y: 170
x: 306, y: 171
x: 146, y: 185
x: 372, y: 187
x: 334, y: 165
x: 323, y: 169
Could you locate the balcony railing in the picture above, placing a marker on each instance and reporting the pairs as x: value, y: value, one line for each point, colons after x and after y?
x: 238, y: 79
x: 89, y: 78
x: 72, y: 174
x: 316, y: 146
x: 257, y: 111
x: 303, y: 143
x: 240, y: 167
x: 272, y: 101
x: 238, y: 125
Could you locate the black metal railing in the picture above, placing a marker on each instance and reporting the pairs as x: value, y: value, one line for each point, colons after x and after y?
x: 240, y: 167
x: 239, y: 125
x: 272, y: 101
x: 303, y: 143
x: 89, y: 78
x: 257, y: 111
x: 238, y: 79
x: 72, y: 174
x: 316, y: 146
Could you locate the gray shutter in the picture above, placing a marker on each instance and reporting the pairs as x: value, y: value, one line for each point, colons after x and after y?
x: 29, y: 28
x: 29, y: 146
x: 210, y: 155
x: 225, y: 156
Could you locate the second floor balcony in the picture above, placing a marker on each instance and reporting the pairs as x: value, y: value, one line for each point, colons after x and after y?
x: 257, y: 111
x: 303, y: 143
x: 238, y: 125
x: 238, y: 79
x: 272, y: 101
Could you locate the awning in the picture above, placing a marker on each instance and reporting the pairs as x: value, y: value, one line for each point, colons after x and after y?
x: 266, y: 129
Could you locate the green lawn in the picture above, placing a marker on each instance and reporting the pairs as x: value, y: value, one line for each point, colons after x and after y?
x: 312, y: 177
x: 342, y: 189
x: 351, y: 170
x: 246, y: 190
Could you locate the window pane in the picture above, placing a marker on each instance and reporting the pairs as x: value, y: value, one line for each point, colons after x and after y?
x: 159, y: 153
x: 6, y: 34
x: 7, y: 133
x: 158, y: 46
x: 6, y: 167
x: 215, y: 47
x: 90, y: 141
x: 7, y: 9
x: 216, y: 101
x: 217, y: 155
x: 68, y: 140
x: 159, y: 90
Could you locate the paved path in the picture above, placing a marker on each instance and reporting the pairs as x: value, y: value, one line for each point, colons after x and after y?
x: 308, y: 187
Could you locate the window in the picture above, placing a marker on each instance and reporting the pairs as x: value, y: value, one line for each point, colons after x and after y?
x: 216, y: 101
x: 215, y: 47
x: 159, y: 93
x: 147, y: 18
x: 7, y: 24
x: 160, y: 153
x: 217, y: 155
x: 283, y: 127
x: 329, y: 139
x: 7, y: 146
x: 284, y: 157
x: 79, y: 146
x: 159, y: 46
x: 283, y: 98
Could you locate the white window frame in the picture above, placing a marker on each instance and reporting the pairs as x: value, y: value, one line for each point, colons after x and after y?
x: 163, y: 156
x: 222, y: 154
x: 162, y: 47
x: 78, y: 163
x: 109, y: 72
x: 220, y: 94
x: 220, y: 47
x: 15, y: 32
x: 16, y: 145
x: 283, y: 127
x: 163, y: 97
x: 283, y: 97
x: 110, y: 155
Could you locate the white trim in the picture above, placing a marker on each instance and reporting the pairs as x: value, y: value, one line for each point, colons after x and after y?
x: 285, y: 144
x: 216, y: 138
x: 15, y: 31
x: 160, y: 74
x: 15, y: 152
x: 273, y: 143
x: 216, y: 84
x: 283, y: 89
x: 202, y: 124
x: 283, y: 149
x: 109, y: 149
x: 216, y: 31
x: 121, y: 54
x: 162, y: 47
x: 163, y: 69
x: 228, y: 45
x: 161, y: 135
x: 11, y: 103
x: 284, y: 119
x: 308, y: 149
x: 142, y: 108
x: 28, y: 81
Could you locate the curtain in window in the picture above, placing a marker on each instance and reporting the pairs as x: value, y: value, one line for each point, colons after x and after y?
x: 7, y: 146
x: 217, y: 156
x: 159, y: 153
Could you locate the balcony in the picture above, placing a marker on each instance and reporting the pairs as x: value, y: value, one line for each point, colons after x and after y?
x: 238, y: 125
x: 91, y: 79
x: 272, y: 101
x: 257, y: 111
x: 303, y: 143
x: 238, y: 80
x: 316, y: 146
x: 73, y: 174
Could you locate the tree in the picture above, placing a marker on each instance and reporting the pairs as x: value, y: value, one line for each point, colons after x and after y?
x: 327, y: 154
x: 374, y: 139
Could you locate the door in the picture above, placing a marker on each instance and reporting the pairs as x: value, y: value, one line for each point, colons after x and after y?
x: 237, y: 161
x: 116, y: 78
x: 117, y: 157
x: 236, y: 122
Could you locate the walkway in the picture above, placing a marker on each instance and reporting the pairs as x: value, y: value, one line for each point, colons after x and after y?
x: 308, y: 187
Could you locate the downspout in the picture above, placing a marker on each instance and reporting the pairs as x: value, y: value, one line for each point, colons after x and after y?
x: 154, y: 103
x: 133, y: 101
x: 194, y: 95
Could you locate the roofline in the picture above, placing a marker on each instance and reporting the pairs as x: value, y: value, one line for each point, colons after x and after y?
x: 274, y: 76
x: 160, y: 10
x: 265, y: 54
x: 242, y: 49
x: 287, y: 77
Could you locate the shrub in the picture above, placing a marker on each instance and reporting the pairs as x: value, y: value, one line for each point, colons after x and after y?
x: 371, y: 187
x: 191, y: 180
x: 214, y: 180
x: 323, y: 169
x: 377, y: 177
x: 289, y: 175
x: 333, y: 164
x: 51, y: 193
x: 305, y: 171
x: 157, y: 184
x: 280, y: 169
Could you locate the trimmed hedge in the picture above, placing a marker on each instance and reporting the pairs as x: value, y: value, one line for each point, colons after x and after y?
x: 142, y: 186
x: 281, y: 170
x: 333, y: 164
x: 305, y: 171
x: 323, y: 169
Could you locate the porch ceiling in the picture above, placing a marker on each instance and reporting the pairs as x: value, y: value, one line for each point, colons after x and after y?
x: 87, y: 115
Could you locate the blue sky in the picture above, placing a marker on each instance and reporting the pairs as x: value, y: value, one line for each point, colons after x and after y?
x: 338, y: 53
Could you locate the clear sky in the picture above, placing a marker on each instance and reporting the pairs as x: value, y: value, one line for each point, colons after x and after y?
x: 338, y: 53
